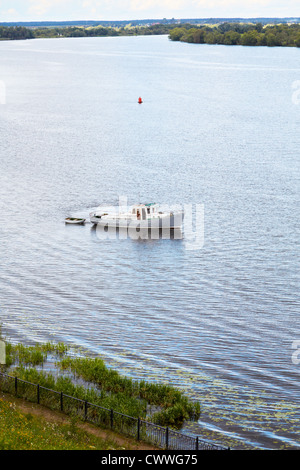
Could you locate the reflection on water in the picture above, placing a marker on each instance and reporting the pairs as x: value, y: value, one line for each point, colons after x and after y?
x: 218, y: 128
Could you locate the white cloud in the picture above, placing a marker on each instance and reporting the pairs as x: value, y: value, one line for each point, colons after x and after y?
x: 43, y: 7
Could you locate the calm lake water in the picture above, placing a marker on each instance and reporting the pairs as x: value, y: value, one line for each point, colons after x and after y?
x: 218, y: 126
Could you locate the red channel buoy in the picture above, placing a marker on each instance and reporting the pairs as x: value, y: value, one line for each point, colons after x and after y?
x: 140, y: 100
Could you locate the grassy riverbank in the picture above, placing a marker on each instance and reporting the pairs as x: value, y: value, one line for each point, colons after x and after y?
x: 24, y: 431
x: 26, y: 426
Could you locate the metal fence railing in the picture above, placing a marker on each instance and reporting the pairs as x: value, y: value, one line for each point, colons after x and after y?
x: 159, y: 436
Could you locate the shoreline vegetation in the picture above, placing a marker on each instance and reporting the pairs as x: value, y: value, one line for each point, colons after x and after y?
x: 231, y: 34
x: 53, y: 366
x: 226, y: 33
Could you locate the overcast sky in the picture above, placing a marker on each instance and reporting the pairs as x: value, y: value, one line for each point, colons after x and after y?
x: 55, y: 10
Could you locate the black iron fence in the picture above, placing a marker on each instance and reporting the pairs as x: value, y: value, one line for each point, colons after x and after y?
x: 159, y: 436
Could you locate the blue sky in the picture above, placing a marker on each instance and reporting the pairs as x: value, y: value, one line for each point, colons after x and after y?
x: 51, y: 10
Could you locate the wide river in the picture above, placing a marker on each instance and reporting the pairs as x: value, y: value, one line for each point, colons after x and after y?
x: 218, y: 128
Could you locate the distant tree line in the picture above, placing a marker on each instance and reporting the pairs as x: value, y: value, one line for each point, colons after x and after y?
x: 224, y: 33
x: 22, y: 32
x: 239, y: 34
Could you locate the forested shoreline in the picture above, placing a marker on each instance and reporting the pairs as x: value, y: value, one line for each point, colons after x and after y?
x: 240, y: 34
x: 22, y: 32
x: 285, y: 35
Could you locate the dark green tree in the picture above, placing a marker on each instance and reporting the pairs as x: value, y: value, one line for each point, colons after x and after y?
x: 250, y: 38
x: 177, y: 33
x: 231, y: 38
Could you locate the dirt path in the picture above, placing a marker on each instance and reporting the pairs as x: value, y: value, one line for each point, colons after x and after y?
x: 59, y: 417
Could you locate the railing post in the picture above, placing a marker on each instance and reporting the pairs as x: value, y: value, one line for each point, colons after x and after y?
x: 167, y: 438
x: 138, y: 428
x: 111, y: 418
x: 38, y: 394
x: 85, y: 409
x: 16, y: 385
x: 197, y: 443
x: 61, y: 401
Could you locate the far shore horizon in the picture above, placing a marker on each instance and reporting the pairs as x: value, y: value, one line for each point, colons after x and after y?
x: 136, y: 22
